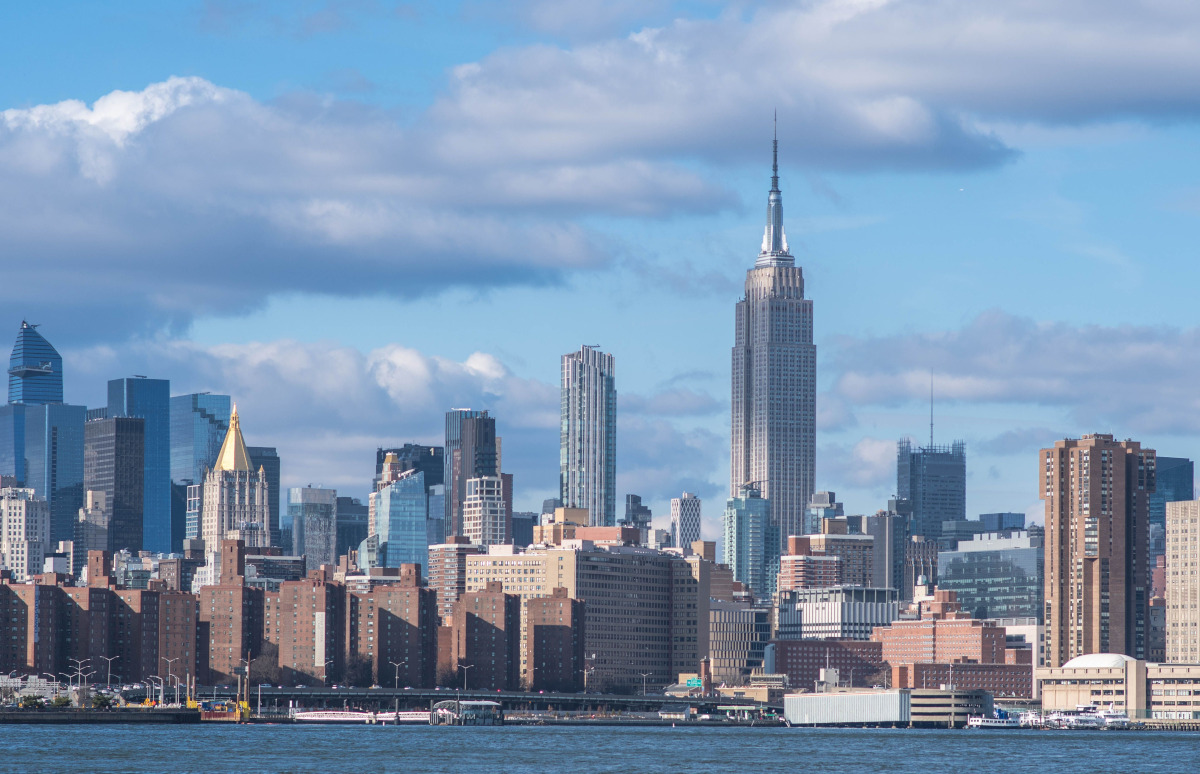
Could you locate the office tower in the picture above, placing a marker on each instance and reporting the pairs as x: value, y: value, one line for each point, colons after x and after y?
x: 996, y: 575
x: 485, y: 515
x: 24, y: 532
x: 351, y: 524
x: 775, y: 378
x: 114, y: 463
x: 685, y: 520
x: 35, y: 372
x: 934, y: 481
x: 637, y: 515
x: 889, y: 530
x: 430, y: 460
x: 588, y: 435
x: 314, y: 517
x: 150, y: 399
x: 91, y: 530
x: 752, y: 542
x: 737, y: 639
x: 824, y: 505
x: 523, y: 523
x: 1001, y: 522
x: 1174, y: 478
x: 235, y: 499
x: 843, y: 612
x: 1183, y: 584
x: 400, y: 533
x: 472, y: 450
x: 266, y: 459
x: 1097, y: 494
x: 54, y: 450
x: 199, y: 422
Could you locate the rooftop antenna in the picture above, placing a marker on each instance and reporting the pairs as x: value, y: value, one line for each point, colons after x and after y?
x: 931, y: 409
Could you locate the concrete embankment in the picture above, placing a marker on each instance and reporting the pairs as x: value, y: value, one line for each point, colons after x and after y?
x: 85, y: 716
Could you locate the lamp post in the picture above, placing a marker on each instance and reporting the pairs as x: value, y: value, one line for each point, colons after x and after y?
x: 587, y: 670
x: 398, y: 664
x: 109, y: 659
x: 171, y: 661
x: 644, y: 676
x: 464, y: 668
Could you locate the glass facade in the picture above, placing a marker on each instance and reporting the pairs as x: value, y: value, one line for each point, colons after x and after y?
x: 996, y: 575
x: 934, y: 481
x: 54, y: 441
x: 199, y: 423
x: 401, y: 512
x: 1175, y: 478
x: 313, y: 514
x: 114, y: 463
x: 267, y: 458
x: 34, y: 369
x: 12, y: 441
x: 150, y: 400
x: 752, y: 542
x: 588, y: 435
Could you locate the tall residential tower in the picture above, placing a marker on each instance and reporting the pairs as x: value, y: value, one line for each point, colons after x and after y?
x: 588, y: 437
x: 775, y: 378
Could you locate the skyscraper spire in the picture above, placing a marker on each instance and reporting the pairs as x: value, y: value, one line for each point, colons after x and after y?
x: 774, y: 246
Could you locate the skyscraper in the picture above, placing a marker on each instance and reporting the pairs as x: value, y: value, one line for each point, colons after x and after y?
x: 934, y: 481
x: 486, y: 520
x: 199, y: 422
x: 685, y: 520
x: 1097, y: 494
x: 150, y: 399
x: 114, y: 463
x: 775, y: 378
x: 234, y: 498
x: 400, y: 531
x: 266, y: 459
x: 430, y: 460
x: 472, y: 450
x: 588, y: 436
x: 24, y: 532
x: 313, y: 513
x: 35, y: 373
x: 1183, y: 585
x: 752, y: 542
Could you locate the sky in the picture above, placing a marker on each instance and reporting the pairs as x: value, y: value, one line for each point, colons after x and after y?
x: 352, y: 215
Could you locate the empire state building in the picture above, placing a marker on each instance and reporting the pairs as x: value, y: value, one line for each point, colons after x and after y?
x: 775, y: 378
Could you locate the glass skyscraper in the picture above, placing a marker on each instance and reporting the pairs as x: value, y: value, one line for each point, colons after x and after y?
x: 34, y: 369
x: 41, y: 438
x: 401, y: 513
x: 267, y: 458
x: 114, y: 463
x: 150, y: 399
x: 588, y: 435
x: 471, y: 451
x: 934, y: 481
x: 774, y: 385
x: 997, y: 575
x: 751, y: 545
x: 1175, y: 483
x: 54, y: 446
x: 199, y: 422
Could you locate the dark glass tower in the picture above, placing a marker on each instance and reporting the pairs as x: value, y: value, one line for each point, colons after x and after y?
x: 1176, y: 476
x: 471, y: 451
x: 267, y: 458
x: 114, y: 463
x: 934, y: 481
x: 199, y: 423
x: 150, y: 399
x: 34, y: 370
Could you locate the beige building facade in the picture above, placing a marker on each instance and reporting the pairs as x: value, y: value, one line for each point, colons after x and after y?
x: 1183, y: 582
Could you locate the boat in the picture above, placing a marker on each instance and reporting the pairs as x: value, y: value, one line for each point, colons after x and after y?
x: 999, y: 719
x: 1088, y: 717
x: 334, y: 716
x: 1032, y: 719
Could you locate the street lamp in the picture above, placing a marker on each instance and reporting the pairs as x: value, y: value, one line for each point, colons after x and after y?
x: 398, y: 665
x: 110, y: 659
x: 588, y: 670
x: 464, y: 668
x: 171, y: 661
x: 644, y: 676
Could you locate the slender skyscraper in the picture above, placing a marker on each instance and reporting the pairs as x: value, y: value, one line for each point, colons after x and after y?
x: 775, y: 378
x: 588, y: 438
x: 150, y: 399
x: 472, y: 450
x: 685, y: 520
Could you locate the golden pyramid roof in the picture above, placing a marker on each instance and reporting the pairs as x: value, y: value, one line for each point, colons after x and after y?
x: 233, y: 455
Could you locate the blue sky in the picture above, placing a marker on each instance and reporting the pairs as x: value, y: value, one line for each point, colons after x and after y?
x: 354, y: 215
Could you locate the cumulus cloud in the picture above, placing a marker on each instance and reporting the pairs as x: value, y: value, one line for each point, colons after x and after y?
x: 658, y: 460
x: 1141, y: 378
x: 1019, y: 441
x: 868, y: 464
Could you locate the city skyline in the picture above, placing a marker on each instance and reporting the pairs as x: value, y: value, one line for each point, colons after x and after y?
x: 972, y: 247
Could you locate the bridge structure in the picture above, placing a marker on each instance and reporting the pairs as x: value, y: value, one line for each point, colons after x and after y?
x: 276, y: 698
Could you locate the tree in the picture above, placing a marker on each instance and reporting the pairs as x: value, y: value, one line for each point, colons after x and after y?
x: 33, y: 702
x: 60, y: 702
x: 101, y: 701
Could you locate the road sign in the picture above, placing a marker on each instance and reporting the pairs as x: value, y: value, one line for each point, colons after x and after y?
x: 695, y: 682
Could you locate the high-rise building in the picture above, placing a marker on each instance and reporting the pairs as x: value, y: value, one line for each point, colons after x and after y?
x: 266, y: 459
x: 400, y: 533
x: 1183, y: 584
x: 54, y: 448
x: 114, y: 463
x: 737, y: 638
x: 889, y: 529
x: 485, y: 515
x: 313, y: 513
x: 472, y: 450
x: 1175, y: 477
x: 430, y: 460
x: 199, y: 422
x: 1097, y: 495
x: 486, y: 632
x: 24, y: 532
x: 685, y: 520
x: 150, y: 399
x: 637, y: 515
x: 934, y: 481
x: 448, y: 570
x: 842, y: 612
x: 775, y: 378
x: 235, y: 504
x: 35, y: 372
x: 752, y: 542
x: 554, y: 643
x: 588, y: 435
x: 352, y: 527
x: 996, y: 575
x: 824, y: 505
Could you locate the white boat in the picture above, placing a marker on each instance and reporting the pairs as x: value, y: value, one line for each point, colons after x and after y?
x: 979, y: 721
x: 334, y: 716
x: 1032, y: 719
x: 411, y: 717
